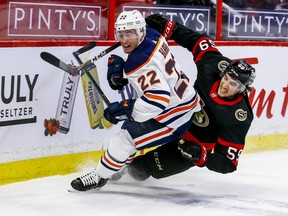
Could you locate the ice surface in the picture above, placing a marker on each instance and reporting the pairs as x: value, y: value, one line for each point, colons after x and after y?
x: 258, y: 187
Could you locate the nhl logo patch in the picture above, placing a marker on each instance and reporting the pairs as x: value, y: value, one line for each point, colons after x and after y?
x: 241, y: 115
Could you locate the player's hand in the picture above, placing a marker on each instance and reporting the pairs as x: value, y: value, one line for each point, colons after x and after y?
x: 161, y: 24
x: 116, y: 111
x: 193, y: 152
x: 115, y: 72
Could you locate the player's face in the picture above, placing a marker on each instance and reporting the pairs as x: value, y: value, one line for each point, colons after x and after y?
x: 129, y: 40
x: 228, y: 86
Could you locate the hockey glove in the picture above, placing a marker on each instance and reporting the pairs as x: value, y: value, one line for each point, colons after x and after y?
x: 193, y: 152
x: 162, y: 25
x: 116, y: 111
x: 115, y: 72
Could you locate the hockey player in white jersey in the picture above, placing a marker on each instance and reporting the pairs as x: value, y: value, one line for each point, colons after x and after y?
x: 164, y: 104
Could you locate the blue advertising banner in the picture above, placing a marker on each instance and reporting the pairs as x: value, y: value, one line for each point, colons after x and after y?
x: 255, y: 25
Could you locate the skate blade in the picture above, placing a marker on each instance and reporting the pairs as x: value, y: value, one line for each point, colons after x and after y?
x: 72, y: 190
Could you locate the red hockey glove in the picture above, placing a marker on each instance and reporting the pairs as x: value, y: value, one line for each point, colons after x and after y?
x: 162, y: 25
x: 115, y: 72
x: 193, y: 152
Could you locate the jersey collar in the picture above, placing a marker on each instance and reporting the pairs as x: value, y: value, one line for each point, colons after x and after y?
x: 214, y: 96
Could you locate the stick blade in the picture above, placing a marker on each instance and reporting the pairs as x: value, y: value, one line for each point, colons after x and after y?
x: 53, y: 60
x: 85, y: 48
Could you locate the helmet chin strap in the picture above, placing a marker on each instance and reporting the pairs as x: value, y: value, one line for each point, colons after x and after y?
x: 140, y: 40
x: 242, y: 89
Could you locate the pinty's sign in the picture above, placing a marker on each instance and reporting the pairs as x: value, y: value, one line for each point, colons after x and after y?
x: 53, y: 20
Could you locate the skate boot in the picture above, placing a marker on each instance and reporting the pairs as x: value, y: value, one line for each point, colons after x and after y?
x: 88, y: 181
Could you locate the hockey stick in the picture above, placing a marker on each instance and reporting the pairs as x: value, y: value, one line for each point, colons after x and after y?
x: 51, y: 59
x: 76, y: 54
x: 89, y: 46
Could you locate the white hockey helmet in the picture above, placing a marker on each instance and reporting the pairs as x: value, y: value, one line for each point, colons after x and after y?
x: 131, y: 20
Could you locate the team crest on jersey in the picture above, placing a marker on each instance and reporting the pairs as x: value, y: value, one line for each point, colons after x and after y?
x: 200, y: 118
x: 222, y: 65
x: 241, y: 115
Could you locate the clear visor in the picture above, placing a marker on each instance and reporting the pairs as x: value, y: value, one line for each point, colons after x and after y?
x: 235, y: 82
x: 126, y: 35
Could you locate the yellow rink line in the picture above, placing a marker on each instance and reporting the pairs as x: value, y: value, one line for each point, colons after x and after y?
x: 46, y: 166
x: 65, y: 164
x: 266, y: 143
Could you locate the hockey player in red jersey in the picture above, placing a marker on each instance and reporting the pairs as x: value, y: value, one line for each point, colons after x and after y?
x: 216, y: 137
x: 165, y: 100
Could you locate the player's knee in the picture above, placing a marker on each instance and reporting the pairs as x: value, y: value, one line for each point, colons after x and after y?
x: 137, y: 169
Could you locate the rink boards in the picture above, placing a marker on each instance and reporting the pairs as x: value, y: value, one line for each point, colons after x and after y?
x: 31, y: 88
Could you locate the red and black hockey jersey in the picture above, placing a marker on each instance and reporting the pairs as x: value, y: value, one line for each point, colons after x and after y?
x: 222, y: 124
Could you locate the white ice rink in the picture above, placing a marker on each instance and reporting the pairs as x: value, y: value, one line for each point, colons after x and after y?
x: 259, y: 187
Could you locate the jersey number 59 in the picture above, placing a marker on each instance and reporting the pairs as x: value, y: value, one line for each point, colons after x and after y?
x: 234, y: 153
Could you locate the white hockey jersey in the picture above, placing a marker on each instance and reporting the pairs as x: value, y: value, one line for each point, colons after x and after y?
x: 163, y: 91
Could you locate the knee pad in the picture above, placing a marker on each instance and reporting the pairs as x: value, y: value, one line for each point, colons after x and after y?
x: 137, y: 169
x: 162, y: 162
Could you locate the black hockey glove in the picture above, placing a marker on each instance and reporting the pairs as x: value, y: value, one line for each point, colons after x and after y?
x: 193, y: 152
x: 115, y: 72
x: 116, y: 111
x: 162, y: 25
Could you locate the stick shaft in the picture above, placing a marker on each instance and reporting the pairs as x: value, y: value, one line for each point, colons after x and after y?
x: 76, y: 55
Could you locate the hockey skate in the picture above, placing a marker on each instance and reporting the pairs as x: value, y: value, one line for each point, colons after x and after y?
x: 88, y: 181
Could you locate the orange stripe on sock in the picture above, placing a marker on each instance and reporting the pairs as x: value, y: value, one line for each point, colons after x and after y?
x: 111, y: 163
